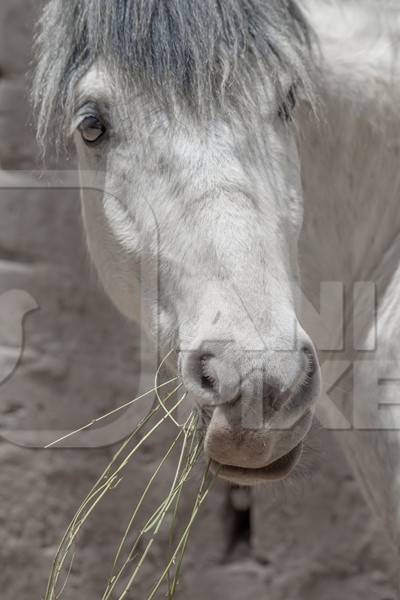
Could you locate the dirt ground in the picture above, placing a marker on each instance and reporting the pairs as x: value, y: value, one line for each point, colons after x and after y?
x: 312, y: 539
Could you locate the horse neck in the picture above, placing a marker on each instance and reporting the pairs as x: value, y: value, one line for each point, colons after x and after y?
x: 351, y: 179
x: 351, y: 182
x: 350, y: 156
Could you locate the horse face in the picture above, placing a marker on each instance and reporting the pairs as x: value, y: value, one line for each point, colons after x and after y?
x: 212, y: 214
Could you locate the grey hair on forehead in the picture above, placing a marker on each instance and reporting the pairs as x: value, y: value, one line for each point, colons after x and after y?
x: 205, y: 54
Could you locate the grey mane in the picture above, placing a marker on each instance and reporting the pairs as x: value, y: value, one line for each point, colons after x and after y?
x: 204, y: 53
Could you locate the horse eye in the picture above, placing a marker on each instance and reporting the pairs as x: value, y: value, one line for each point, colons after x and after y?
x: 91, y: 130
x: 287, y: 107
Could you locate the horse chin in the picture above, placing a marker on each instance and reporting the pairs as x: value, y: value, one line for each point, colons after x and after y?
x: 277, y: 470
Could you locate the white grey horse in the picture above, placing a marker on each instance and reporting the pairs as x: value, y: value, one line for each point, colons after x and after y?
x: 235, y: 140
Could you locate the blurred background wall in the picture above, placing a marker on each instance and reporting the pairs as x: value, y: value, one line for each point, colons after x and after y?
x: 313, y: 539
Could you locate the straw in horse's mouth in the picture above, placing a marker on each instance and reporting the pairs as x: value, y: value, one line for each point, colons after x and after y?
x: 279, y: 469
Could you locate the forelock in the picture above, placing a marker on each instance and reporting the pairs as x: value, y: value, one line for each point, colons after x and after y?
x: 206, y: 54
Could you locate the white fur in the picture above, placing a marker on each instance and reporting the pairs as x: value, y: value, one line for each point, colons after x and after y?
x: 352, y: 222
x: 228, y: 224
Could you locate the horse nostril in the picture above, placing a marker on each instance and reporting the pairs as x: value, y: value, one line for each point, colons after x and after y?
x: 311, y: 362
x: 208, y: 376
x: 207, y: 383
